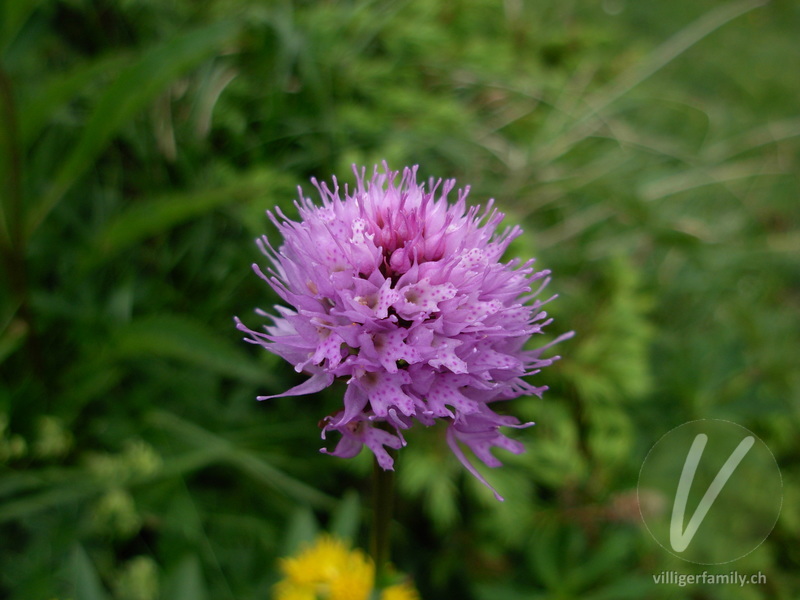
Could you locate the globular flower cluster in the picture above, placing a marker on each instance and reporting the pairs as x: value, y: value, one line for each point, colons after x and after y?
x: 403, y: 294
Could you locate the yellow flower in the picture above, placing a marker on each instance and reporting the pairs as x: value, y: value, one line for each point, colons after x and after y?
x: 326, y: 570
x: 329, y: 570
x: 401, y: 591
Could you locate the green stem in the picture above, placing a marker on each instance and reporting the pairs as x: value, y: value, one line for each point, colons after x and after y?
x: 382, y: 502
x: 12, y: 226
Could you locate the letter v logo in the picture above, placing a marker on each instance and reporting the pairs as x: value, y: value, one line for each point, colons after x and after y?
x: 680, y: 538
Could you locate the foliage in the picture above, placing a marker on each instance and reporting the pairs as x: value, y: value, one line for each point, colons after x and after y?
x: 650, y: 150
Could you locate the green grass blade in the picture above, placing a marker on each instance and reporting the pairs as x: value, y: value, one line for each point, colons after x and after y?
x: 248, y: 462
x: 346, y: 519
x: 669, y: 51
x: 134, y: 88
x: 302, y: 530
x: 714, y: 175
x: 586, y: 124
x: 152, y: 217
x: 84, y: 578
x: 180, y: 338
x: 12, y: 338
x: 767, y: 134
x: 60, y: 89
x: 186, y: 582
x: 42, y: 490
x: 30, y: 504
x: 13, y: 15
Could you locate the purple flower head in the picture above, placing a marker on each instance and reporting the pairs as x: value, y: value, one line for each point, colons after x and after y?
x: 403, y: 295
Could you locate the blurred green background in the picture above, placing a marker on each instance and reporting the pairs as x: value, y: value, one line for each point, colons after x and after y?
x: 650, y: 149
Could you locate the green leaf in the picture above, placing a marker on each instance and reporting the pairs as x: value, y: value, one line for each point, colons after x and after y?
x: 544, y: 557
x: 85, y: 580
x: 615, y: 548
x: 346, y: 519
x: 186, y: 581
x: 60, y: 89
x: 12, y: 338
x: 13, y: 15
x: 629, y: 588
x: 78, y: 490
x: 303, y: 528
x: 149, y: 218
x: 506, y: 591
x: 180, y: 338
x: 133, y: 89
x: 250, y: 463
